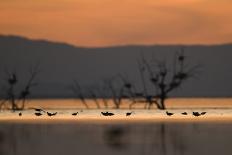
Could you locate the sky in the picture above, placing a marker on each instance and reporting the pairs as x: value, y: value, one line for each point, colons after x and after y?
x: 97, y: 23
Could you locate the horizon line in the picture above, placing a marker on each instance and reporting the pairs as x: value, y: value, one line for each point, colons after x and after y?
x: 112, y: 46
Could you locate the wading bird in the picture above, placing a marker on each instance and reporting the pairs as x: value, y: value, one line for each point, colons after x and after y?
x: 184, y: 113
x: 203, y: 113
x: 38, y: 114
x: 169, y: 113
x: 128, y: 113
x: 196, y: 114
x: 51, y: 114
x: 39, y: 110
x: 107, y: 113
x: 75, y: 113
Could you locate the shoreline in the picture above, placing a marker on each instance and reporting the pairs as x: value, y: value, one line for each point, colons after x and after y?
x: 138, y: 116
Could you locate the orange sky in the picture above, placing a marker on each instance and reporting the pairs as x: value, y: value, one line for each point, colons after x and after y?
x: 119, y: 22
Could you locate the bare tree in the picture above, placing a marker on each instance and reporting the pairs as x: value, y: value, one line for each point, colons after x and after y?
x: 12, y: 96
x: 76, y: 88
x: 165, y: 79
x: 102, y: 91
x: 115, y: 92
x: 94, y: 96
x: 129, y: 90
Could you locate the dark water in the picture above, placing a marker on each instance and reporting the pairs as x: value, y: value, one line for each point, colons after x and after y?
x: 124, y: 139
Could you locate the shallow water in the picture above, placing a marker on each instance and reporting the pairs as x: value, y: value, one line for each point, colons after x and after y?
x: 173, y: 103
x: 118, y: 138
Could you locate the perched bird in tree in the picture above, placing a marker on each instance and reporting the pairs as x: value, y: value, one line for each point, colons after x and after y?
x: 13, y: 79
x: 127, y: 85
x: 169, y: 113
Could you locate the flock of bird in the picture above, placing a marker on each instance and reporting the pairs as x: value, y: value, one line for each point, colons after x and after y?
x: 40, y: 112
x: 197, y: 114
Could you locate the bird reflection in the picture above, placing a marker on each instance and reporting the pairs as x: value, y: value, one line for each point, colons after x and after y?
x: 115, y: 137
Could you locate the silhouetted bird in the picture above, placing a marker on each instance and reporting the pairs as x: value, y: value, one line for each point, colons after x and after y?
x: 107, y: 113
x: 203, y: 113
x: 38, y: 114
x: 75, y: 113
x: 110, y: 114
x: 39, y: 110
x: 13, y: 79
x: 127, y: 85
x: 181, y: 58
x: 184, y: 113
x: 169, y: 113
x: 51, y: 114
x: 20, y: 114
x: 128, y: 113
x: 25, y: 93
x: 196, y: 114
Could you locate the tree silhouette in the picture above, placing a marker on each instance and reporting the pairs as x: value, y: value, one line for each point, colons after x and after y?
x: 16, y: 99
x: 165, y: 79
x: 77, y: 90
x: 115, y: 88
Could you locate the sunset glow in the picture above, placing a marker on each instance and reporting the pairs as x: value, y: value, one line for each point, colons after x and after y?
x: 119, y: 22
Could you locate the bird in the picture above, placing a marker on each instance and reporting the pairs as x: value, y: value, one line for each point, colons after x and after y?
x: 39, y: 110
x: 110, y: 114
x: 184, y: 113
x: 51, y: 114
x: 75, y: 113
x: 38, y: 114
x: 13, y: 79
x: 20, y: 114
x: 169, y: 113
x: 104, y: 113
x: 203, y: 113
x: 107, y: 113
x: 128, y: 113
x: 127, y: 85
x: 196, y: 114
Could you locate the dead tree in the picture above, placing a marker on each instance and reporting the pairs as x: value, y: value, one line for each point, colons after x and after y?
x: 129, y: 90
x: 30, y: 83
x: 77, y: 90
x: 104, y: 98
x: 94, y: 97
x: 12, y: 96
x: 165, y: 79
x: 145, y: 96
x: 116, y: 93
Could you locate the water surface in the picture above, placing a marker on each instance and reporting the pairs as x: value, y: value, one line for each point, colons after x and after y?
x: 118, y: 138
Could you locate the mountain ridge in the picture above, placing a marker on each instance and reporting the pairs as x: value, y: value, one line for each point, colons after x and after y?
x: 61, y: 63
x: 18, y: 37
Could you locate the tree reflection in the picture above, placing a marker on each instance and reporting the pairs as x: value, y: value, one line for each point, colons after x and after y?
x: 1, y: 142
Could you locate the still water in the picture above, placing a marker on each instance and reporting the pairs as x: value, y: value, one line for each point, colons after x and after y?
x: 138, y: 138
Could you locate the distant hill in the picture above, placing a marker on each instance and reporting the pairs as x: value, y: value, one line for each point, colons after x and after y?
x: 61, y: 63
